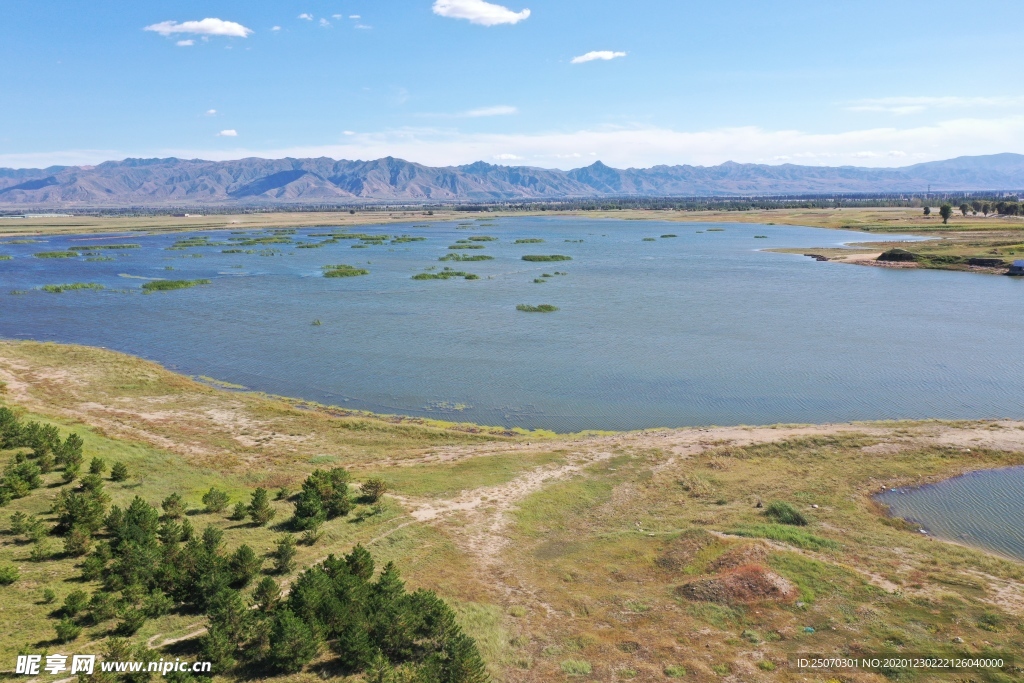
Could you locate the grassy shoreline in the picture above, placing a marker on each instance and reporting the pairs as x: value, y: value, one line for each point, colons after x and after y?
x: 556, y: 548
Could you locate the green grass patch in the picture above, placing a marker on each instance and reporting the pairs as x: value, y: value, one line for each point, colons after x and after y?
x: 576, y: 667
x: 58, y: 289
x: 542, y: 308
x: 447, y: 480
x: 56, y: 254
x: 168, y: 285
x: 343, y: 270
x: 785, y: 534
x: 784, y: 513
x: 546, y: 257
x: 813, y: 578
x: 560, y: 506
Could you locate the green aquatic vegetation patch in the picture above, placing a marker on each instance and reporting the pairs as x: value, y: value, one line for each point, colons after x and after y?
x: 760, y: 237
x: 466, y: 246
x: 530, y: 240
x: 538, y: 280
x: 466, y: 257
x: 649, y: 239
x: 5, y: 257
x: 407, y: 238
x: 57, y: 254
x: 58, y: 289
x: 168, y: 285
x: 546, y: 257
x: 343, y: 270
x: 446, y: 274
x: 95, y: 247
x: 716, y: 229
x: 483, y: 238
x: 668, y: 235
x: 542, y: 308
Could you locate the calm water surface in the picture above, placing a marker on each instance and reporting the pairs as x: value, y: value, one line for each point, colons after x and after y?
x: 983, y: 508
x: 697, y: 329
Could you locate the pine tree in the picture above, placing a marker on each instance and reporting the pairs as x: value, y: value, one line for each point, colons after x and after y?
x: 292, y: 643
x: 215, y: 500
x: 259, y: 507
x: 244, y: 565
x: 266, y: 595
x: 284, y: 554
x: 360, y: 562
x: 119, y: 472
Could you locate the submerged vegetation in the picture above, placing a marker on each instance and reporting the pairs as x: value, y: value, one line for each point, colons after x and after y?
x: 343, y: 270
x: 547, y: 257
x: 446, y: 274
x: 466, y: 257
x: 542, y: 308
x: 167, y: 285
x: 57, y: 254
x: 57, y: 289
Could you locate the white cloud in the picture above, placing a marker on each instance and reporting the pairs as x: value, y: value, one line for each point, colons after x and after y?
x: 353, y: 16
x: 507, y: 157
x: 500, y: 110
x: 622, y: 147
x: 597, y: 54
x: 185, y: 43
x: 211, y: 112
x: 362, y: 26
x: 914, y: 105
x: 307, y: 16
x: 206, y: 27
x: 229, y: 133
x: 479, y: 12
x: 349, y: 132
x: 275, y: 28
x: 324, y: 23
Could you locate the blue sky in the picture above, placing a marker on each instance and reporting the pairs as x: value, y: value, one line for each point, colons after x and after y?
x: 454, y: 81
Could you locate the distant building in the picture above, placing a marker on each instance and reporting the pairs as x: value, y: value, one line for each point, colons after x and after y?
x: 1017, y: 268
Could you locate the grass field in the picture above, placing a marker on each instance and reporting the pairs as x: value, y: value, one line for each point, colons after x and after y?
x: 604, y: 557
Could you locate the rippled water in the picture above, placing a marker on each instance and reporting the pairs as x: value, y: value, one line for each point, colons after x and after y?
x: 698, y: 329
x: 983, y: 508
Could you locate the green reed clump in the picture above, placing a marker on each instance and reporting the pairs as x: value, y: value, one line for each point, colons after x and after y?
x: 760, y: 237
x: 542, y: 308
x: 649, y: 239
x: 94, y: 247
x: 716, y: 229
x: 57, y: 289
x: 483, y: 238
x: 538, y: 280
x: 343, y: 270
x: 446, y: 274
x: 57, y: 254
x: 466, y: 257
x: 668, y: 235
x: 530, y: 240
x: 234, y: 251
x: 168, y: 285
x: 466, y: 246
x: 5, y: 257
x: 546, y: 257
x: 407, y: 238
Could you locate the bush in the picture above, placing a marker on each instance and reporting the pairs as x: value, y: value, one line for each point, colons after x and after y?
x: 284, y: 555
x: 784, y: 513
x: 215, y: 500
x: 173, y: 506
x: 373, y: 489
x: 97, y: 466
x: 119, y: 472
x: 67, y: 630
x: 49, y: 596
x: 75, y: 602
x: 259, y: 507
x: 240, y: 512
x: 8, y: 574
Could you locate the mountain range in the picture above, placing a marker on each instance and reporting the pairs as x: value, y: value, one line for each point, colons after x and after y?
x: 171, y: 181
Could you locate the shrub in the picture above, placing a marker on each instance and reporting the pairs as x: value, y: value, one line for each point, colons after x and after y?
x: 67, y: 630
x: 173, y: 506
x: 373, y: 489
x: 8, y: 574
x: 119, y: 472
x: 75, y: 602
x: 284, y: 554
x: 259, y: 507
x: 784, y: 513
x: 49, y: 596
x: 215, y: 500
x: 240, y: 512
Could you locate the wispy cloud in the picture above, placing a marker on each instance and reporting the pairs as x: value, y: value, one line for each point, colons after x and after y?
x: 185, y: 43
x: 306, y: 15
x: 353, y: 16
x: 915, y: 105
x: 507, y: 157
x: 211, y: 112
x: 500, y: 110
x: 479, y: 12
x: 324, y: 23
x: 206, y: 27
x: 229, y: 133
x: 596, y: 55
x: 275, y: 28
x: 363, y: 26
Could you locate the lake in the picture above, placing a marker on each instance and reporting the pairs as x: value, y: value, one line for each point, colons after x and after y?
x: 984, y: 509
x: 702, y: 328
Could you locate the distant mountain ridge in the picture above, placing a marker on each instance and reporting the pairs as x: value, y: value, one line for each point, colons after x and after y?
x: 154, y: 182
